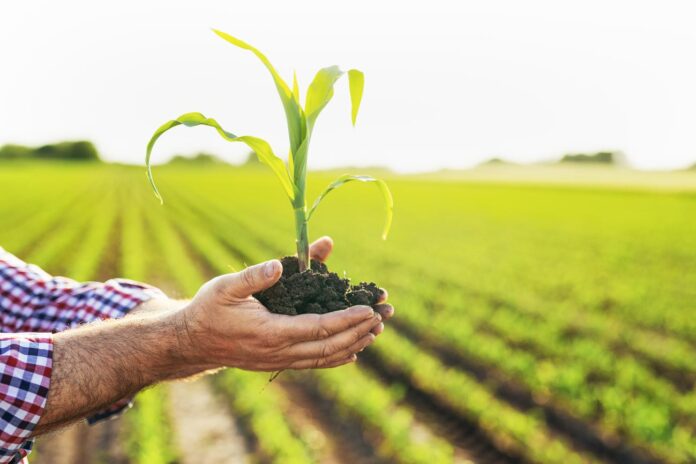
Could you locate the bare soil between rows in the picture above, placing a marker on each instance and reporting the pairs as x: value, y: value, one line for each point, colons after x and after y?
x: 582, y: 435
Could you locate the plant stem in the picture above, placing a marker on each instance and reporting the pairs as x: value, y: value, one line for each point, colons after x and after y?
x: 301, y: 237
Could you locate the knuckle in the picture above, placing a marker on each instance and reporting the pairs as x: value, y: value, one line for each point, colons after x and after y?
x: 248, y: 278
x: 342, y: 355
x: 321, y: 332
x: 327, y: 350
x: 218, y: 287
x: 356, y: 335
x: 363, y: 342
x: 266, y: 338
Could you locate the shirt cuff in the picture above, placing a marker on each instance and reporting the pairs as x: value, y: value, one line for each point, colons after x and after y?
x: 26, y: 362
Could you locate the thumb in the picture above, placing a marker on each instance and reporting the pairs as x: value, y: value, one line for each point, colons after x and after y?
x: 251, y: 280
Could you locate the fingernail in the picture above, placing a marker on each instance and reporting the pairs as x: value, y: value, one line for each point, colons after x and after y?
x: 270, y: 268
x: 378, y: 316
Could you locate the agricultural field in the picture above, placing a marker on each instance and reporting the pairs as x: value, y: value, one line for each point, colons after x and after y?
x: 536, y: 322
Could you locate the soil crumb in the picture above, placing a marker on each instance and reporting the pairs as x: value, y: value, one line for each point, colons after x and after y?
x: 317, y: 290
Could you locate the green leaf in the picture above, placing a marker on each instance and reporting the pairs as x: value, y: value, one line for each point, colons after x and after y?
x: 291, y: 165
x: 293, y: 112
x: 356, y: 82
x: 299, y: 169
x: 388, y: 199
x: 320, y: 92
x: 262, y: 149
x: 295, y: 88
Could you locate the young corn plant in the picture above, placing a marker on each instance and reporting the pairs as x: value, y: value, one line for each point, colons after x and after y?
x: 301, y: 122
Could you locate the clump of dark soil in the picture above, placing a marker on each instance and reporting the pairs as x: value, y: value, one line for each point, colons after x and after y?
x: 315, y: 291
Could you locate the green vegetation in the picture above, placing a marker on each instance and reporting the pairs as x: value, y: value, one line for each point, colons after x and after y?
x: 71, y: 151
x: 301, y: 121
x: 578, y: 299
x: 196, y: 160
x: 602, y: 157
x: 148, y: 429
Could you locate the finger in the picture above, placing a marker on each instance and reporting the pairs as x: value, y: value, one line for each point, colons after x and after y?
x: 384, y: 310
x: 307, y: 327
x: 336, y: 343
x: 321, y: 249
x: 383, y: 296
x: 356, y: 347
x: 249, y: 281
x: 378, y: 329
x: 311, y: 364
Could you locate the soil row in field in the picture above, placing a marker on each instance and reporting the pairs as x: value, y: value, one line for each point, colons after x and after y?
x: 197, y: 208
x: 582, y: 435
x: 459, y: 431
x: 683, y: 380
x: 109, y: 267
x: 345, y: 442
x: 204, y: 431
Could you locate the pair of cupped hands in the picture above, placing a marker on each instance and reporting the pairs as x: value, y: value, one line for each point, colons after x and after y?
x: 223, y: 325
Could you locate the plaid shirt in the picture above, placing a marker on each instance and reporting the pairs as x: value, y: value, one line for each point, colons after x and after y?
x: 33, y: 305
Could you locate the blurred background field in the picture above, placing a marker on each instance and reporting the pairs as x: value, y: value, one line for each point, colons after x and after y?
x: 546, y: 303
x: 544, y: 314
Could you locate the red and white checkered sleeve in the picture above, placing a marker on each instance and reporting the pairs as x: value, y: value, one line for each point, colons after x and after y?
x: 25, y: 376
x: 33, y: 301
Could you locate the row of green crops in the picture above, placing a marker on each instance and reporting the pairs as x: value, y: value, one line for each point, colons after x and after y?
x: 564, y: 348
x: 580, y: 297
x: 149, y: 430
x: 73, y: 235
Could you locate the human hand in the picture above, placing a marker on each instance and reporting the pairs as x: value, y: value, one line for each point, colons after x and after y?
x: 225, y: 326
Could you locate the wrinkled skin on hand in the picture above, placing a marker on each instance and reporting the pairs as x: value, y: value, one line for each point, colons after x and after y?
x: 225, y: 326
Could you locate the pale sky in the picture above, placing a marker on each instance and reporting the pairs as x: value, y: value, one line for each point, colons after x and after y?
x: 448, y: 84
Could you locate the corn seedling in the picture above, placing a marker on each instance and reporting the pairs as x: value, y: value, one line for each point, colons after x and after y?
x: 301, y: 121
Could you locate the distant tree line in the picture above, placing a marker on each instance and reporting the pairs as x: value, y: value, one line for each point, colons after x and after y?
x: 602, y: 157
x: 200, y: 158
x: 207, y: 159
x: 80, y: 150
x: 607, y: 158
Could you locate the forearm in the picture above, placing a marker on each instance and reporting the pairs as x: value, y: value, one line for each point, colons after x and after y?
x: 98, y: 364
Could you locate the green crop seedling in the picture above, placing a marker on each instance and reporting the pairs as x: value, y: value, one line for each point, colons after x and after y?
x: 301, y: 122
